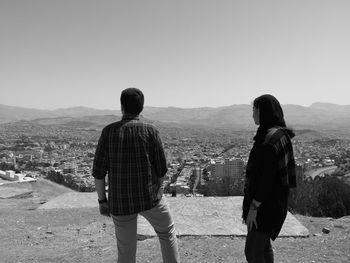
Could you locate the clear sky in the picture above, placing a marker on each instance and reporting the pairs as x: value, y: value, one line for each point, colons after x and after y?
x: 182, y: 53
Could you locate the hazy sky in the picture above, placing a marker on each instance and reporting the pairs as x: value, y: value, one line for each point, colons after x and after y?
x: 183, y: 53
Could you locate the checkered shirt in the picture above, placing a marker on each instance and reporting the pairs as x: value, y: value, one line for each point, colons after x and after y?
x: 131, y: 152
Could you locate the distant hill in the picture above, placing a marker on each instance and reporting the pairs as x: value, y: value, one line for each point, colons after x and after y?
x: 84, y: 111
x: 340, y: 109
x: 230, y: 116
x: 12, y: 113
x: 319, y: 116
x: 78, y: 122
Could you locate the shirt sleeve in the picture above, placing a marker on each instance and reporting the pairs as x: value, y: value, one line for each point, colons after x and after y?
x: 100, y: 166
x: 266, y: 179
x: 160, y: 164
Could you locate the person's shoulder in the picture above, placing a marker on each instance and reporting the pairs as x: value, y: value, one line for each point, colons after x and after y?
x: 278, y: 137
x: 276, y: 133
x: 148, y: 124
x: 273, y: 135
x: 112, y: 125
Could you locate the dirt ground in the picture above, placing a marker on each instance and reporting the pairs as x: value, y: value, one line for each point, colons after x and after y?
x: 82, y: 235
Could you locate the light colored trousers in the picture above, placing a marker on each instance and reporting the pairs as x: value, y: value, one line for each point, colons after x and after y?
x: 160, y: 219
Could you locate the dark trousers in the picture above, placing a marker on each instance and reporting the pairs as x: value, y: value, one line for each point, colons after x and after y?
x: 258, y: 248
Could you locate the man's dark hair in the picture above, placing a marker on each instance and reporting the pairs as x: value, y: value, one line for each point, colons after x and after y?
x: 132, y: 100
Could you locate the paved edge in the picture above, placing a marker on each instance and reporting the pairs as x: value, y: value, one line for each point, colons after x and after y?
x: 12, y: 192
x: 202, y: 216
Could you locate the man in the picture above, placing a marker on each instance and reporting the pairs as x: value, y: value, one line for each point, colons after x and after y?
x: 131, y: 152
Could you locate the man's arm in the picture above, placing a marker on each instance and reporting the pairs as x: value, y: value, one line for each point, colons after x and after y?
x: 160, y: 164
x: 100, y: 185
x: 99, y: 171
x: 160, y: 159
x: 100, y: 165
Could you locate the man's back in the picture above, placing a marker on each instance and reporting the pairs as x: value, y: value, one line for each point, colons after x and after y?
x: 132, y: 153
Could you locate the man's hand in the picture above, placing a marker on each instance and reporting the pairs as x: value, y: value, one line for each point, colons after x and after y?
x: 161, y: 187
x: 251, y: 219
x: 104, y: 209
x: 160, y: 193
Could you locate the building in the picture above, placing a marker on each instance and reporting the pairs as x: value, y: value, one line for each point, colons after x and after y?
x: 229, y: 167
x: 11, y: 175
x: 179, y: 188
x: 234, y: 168
x: 217, y: 168
x: 69, y: 169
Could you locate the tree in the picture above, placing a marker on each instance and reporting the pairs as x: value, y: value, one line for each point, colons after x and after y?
x: 323, y: 196
x: 223, y: 186
x: 334, y: 197
x: 6, y: 166
x: 205, y: 175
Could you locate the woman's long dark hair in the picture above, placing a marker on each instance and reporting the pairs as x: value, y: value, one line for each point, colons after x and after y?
x: 270, y: 110
x: 271, y: 113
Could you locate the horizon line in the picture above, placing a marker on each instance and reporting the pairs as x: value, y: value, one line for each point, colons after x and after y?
x: 149, y: 106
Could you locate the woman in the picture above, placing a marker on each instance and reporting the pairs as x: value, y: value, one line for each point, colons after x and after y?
x: 270, y: 173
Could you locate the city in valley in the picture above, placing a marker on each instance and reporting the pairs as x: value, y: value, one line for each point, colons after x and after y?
x: 202, y: 161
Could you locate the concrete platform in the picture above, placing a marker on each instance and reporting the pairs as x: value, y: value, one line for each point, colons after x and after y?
x: 193, y: 216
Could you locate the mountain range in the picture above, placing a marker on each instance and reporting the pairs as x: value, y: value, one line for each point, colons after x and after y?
x: 318, y: 116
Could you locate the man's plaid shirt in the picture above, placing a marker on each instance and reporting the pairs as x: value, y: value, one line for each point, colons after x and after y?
x: 131, y: 152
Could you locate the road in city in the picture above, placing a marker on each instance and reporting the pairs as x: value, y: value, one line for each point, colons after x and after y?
x: 320, y: 171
